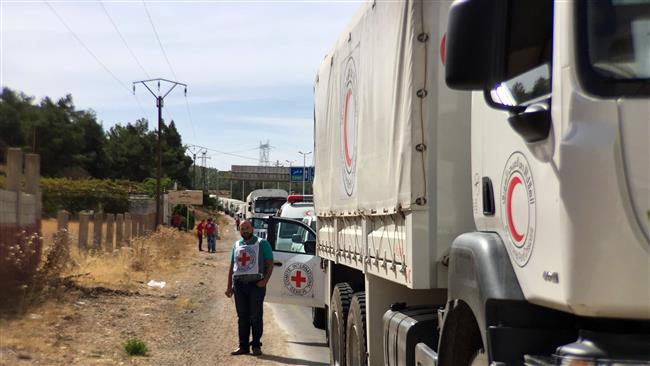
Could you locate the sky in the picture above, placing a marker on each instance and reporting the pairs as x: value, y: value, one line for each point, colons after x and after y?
x: 249, y: 66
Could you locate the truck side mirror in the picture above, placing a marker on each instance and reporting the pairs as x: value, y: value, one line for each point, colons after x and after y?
x: 474, y: 41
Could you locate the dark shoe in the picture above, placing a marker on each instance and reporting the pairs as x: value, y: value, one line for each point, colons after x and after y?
x: 240, y: 351
x: 257, y: 351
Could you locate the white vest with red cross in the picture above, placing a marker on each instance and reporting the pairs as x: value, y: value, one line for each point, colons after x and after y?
x: 247, y: 260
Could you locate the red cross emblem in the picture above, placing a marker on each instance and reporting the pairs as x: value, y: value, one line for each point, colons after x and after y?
x: 298, y: 279
x: 243, y: 258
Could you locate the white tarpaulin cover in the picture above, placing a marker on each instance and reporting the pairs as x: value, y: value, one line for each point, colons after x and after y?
x: 368, y: 116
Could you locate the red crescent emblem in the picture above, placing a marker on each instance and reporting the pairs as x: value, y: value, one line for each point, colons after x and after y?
x: 348, y: 159
x: 443, y: 49
x: 511, y: 188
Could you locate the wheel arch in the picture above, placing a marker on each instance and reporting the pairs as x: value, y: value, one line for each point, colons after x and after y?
x: 479, y: 271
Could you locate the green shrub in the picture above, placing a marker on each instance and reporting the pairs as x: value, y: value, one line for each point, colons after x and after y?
x: 135, y: 347
x: 87, y: 194
x: 182, y: 210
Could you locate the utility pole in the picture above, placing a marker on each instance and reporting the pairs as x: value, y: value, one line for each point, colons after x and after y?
x: 159, y: 103
x: 304, y: 167
x: 203, y: 175
x: 243, y: 188
x: 193, y: 149
x: 217, y: 170
x: 290, y: 164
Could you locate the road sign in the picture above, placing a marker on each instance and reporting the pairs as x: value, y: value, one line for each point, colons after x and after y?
x: 186, y: 197
x: 297, y: 174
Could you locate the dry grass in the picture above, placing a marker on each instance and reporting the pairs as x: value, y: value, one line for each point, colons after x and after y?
x: 129, y: 266
x: 63, y: 265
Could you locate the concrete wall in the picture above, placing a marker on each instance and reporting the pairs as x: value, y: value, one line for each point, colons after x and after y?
x: 20, y: 218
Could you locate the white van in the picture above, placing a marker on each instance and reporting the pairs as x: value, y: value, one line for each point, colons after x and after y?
x: 296, y: 208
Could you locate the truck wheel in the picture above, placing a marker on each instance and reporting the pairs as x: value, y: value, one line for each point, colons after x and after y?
x: 319, y: 318
x: 480, y: 359
x: 341, y: 297
x: 356, y: 331
x: 461, y: 343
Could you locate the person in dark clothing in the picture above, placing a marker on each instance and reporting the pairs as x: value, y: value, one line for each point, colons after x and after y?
x: 211, y: 233
x: 199, y: 233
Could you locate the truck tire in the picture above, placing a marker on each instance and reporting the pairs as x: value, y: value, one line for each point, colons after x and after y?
x: 461, y: 343
x: 319, y: 318
x: 356, y: 331
x: 341, y: 297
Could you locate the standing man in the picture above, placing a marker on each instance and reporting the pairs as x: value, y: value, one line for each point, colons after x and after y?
x: 237, y: 222
x: 176, y: 221
x: 210, y: 229
x: 199, y: 233
x: 251, y: 266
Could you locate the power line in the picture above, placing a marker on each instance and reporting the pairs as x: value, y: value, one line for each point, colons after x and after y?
x: 126, y: 44
x: 140, y: 105
x: 86, y: 47
x: 225, y: 152
x: 169, y: 64
x: 158, y: 38
x: 189, y: 114
x: 91, y: 53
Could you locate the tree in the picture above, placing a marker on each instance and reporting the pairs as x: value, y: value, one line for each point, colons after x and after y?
x: 56, y: 138
x: 73, y: 144
x: 175, y: 164
x: 541, y: 87
x: 93, y: 154
x: 130, y: 151
x: 519, y: 92
x: 12, y: 105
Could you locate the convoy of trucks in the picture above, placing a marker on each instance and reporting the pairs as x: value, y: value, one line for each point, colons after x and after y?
x: 265, y: 202
x: 483, y: 189
x: 231, y: 206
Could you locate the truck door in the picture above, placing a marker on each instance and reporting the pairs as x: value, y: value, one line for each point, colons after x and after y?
x: 297, y: 275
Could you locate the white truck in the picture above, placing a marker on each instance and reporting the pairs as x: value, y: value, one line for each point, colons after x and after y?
x: 483, y: 195
x: 265, y: 202
x: 262, y: 203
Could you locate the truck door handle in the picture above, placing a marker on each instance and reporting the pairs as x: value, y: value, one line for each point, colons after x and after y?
x: 277, y: 264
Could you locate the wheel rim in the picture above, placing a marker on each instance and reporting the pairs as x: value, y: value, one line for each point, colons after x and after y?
x: 353, y: 346
x: 335, y: 339
x: 480, y: 359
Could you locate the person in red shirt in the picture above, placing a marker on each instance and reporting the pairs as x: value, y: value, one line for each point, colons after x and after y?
x: 210, y: 231
x: 176, y: 221
x: 199, y: 233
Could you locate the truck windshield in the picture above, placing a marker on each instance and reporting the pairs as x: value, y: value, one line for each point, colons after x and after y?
x: 269, y: 205
x: 618, y: 38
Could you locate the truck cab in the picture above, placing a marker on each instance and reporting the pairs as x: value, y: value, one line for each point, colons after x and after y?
x: 262, y: 203
x: 484, y: 195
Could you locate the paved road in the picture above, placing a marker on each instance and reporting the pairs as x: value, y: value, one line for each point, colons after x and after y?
x: 304, y: 341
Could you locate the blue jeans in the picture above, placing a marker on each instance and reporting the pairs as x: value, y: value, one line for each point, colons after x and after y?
x: 212, y: 244
x: 249, y: 301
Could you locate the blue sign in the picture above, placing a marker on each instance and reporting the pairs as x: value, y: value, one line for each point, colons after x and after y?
x: 311, y: 174
x: 297, y: 174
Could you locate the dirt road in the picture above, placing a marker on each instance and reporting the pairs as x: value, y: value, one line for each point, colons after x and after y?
x: 188, y: 322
